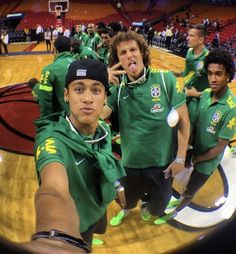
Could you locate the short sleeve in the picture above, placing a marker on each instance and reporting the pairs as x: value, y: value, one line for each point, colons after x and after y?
x: 112, y: 98
x: 228, y: 128
x: 50, y: 150
x: 175, y: 90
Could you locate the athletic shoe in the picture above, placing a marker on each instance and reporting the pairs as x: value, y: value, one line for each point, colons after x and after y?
x: 144, y: 215
x: 233, y: 151
x: 116, y: 220
x: 165, y: 218
x: 173, y: 204
x: 97, y: 242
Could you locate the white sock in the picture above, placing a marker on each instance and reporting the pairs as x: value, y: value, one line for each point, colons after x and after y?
x: 126, y: 211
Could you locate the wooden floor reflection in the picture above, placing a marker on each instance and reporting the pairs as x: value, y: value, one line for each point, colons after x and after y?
x: 18, y: 182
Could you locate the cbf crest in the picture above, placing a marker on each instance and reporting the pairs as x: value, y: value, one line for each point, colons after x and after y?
x: 214, y: 120
x: 155, y: 92
x: 216, y: 117
x: 200, y: 65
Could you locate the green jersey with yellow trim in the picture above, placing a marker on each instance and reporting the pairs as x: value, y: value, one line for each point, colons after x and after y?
x: 216, y: 120
x: 52, y: 83
x: 146, y: 138
x: 91, y: 167
x: 195, y: 74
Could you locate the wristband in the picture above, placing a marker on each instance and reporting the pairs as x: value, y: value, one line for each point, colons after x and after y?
x: 61, y: 236
x: 117, y: 184
x: 180, y: 160
x: 120, y: 189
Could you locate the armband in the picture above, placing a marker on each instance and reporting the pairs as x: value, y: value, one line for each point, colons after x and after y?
x: 120, y: 189
x: 180, y: 160
x: 117, y: 184
x: 61, y: 236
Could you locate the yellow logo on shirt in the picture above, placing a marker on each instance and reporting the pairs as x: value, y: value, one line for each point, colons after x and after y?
x: 178, y: 87
x: 230, y: 102
x: 44, y: 78
x: 232, y: 123
x: 49, y: 147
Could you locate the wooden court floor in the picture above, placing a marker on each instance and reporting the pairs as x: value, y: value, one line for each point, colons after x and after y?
x: 18, y: 181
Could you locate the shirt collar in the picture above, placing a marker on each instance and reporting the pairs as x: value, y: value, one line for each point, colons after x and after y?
x: 223, y: 99
x: 138, y: 81
x: 100, y: 134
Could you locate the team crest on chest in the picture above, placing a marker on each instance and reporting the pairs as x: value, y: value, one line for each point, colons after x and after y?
x: 214, y: 120
x: 155, y: 92
x: 200, y: 65
x: 216, y: 117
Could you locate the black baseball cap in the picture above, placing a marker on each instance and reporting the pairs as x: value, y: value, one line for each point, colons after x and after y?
x: 88, y: 69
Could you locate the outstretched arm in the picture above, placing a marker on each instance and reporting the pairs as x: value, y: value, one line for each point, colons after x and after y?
x: 54, y: 205
x: 55, y: 209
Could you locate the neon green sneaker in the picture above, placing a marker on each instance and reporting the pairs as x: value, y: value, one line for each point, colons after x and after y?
x: 233, y: 151
x: 97, y: 242
x: 173, y: 203
x: 144, y: 215
x: 116, y: 220
x: 165, y: 218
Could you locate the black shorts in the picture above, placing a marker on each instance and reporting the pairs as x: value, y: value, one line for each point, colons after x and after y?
x: 150, y: 181
x: 197, y: 180
x: 98, y: 228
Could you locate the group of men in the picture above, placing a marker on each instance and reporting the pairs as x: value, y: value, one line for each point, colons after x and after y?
x: 78, y: 174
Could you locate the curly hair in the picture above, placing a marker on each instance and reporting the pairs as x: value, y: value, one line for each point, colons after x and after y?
x: 223, y: 57
x: 128, y: 36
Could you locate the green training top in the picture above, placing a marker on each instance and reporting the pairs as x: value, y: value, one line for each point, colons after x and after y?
x: 91, y: 167
x: 92, y: 41
x: 82, y: 36
x: 216, y: 120
x: 87, y: 52
x: 52, y: 83
x: 103, y: 53
x: 146, y: 138
x: 195, y: 74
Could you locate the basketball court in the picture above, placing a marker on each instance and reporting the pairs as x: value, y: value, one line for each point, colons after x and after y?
x: 212, y: 206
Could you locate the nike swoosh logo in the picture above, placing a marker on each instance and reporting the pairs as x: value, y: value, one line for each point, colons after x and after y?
x: 125, y: 97
x: 79, y: 162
